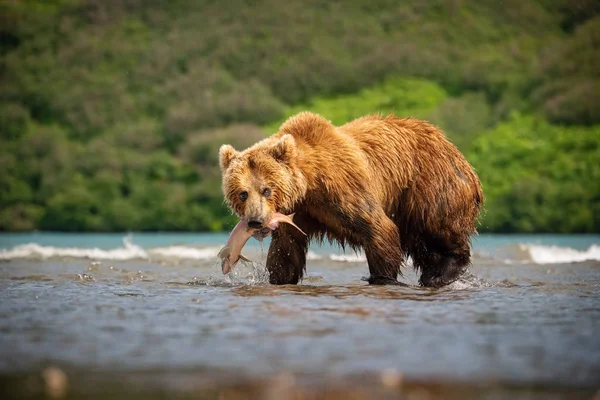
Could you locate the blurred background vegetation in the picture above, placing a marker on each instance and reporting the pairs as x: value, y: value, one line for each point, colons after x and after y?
x: 112, y: 112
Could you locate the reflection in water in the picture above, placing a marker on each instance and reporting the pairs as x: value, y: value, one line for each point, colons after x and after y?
x: 345, y: 292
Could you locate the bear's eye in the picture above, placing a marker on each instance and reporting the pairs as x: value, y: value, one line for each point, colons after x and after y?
x: 243, y: 196
x: 266, y: 192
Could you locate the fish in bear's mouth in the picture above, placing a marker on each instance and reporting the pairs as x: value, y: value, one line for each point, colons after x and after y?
x: 232, y: 251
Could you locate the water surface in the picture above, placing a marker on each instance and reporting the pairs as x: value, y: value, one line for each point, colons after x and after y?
x: 152, y: 313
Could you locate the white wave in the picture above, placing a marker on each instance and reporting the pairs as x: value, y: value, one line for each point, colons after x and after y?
x: 184, y: 252
x: 540, y: 254
x: 129, y: 251
x: 522, y: 253
x: 311, y: 255
x: 348, y: 257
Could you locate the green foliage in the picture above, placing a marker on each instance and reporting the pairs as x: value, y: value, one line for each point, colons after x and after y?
x: 539, y: 177
x: 14, y: 120
x: 402, y: 96
x: 463, y: 118
x: 571, y: 92
x: 112, y: 112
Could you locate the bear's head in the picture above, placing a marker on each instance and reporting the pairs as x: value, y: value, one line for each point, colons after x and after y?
x: 262, y: 179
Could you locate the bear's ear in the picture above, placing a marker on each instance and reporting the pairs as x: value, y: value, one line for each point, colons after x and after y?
x: 226, y: 154
x: 285, y: 149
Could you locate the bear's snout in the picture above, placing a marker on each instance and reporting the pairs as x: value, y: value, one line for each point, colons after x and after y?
x: 255, y: 224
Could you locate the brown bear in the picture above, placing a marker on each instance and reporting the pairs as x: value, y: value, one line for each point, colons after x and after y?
x: 395, y: 187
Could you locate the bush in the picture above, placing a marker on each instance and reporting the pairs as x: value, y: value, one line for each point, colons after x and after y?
x: 463, y: 118
x: 570, y: 92
x: 14, y: 121
x: 402, y: 96
x: 539, y: 177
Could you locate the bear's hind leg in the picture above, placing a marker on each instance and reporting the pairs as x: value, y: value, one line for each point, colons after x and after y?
x: 442, y: 264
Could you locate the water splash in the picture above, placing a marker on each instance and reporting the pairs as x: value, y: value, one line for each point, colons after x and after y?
x: 249, y: 273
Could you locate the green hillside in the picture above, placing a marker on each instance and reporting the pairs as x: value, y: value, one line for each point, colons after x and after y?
x: 112, y: 112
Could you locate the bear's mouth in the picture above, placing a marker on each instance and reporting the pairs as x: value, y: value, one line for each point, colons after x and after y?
x: 255, y: 224
x: 262, y: 233
x: 277, y: 218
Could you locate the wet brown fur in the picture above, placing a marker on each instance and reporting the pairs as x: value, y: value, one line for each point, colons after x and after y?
x: 395, y: 187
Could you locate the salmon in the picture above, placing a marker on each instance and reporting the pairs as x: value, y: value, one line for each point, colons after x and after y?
x: 231, y: 253
x: 278, y: 218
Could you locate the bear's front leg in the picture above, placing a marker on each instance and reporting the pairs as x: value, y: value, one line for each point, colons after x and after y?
x: 286, y: 259
x: 383, y: 252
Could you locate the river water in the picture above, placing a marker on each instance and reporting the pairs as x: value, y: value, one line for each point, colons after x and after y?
x: 151, y: 316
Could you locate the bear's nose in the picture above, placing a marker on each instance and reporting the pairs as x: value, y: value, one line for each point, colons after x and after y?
x: 255, y: 224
